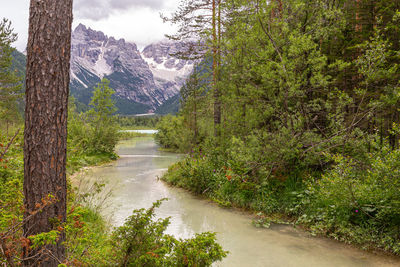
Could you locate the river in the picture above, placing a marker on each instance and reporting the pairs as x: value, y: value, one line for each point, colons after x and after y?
x: 133, y: 181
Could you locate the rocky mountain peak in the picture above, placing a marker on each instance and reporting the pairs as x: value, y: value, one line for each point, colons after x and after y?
x: 164, y: 53
x: 84, y: 34
x: 80, y: 28
x: 148, y: 78
x: 164, y: 64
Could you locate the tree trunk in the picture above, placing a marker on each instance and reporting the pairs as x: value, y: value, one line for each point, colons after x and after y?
x: 358, y: 26
x: 195, y: 118
x: 217, y: 101
x: 45, y: 148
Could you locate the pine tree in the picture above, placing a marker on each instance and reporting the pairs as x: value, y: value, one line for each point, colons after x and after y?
x: 202, y: 20
x: 104, y: 129
x: 47, y: 89
x: 10, y: 83
x: 191, y: 94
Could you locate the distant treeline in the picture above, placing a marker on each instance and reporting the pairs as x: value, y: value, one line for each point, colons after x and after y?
x: 138, y: 121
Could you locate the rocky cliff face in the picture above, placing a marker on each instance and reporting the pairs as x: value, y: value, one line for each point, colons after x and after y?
x: 169, y: 72
x: 142, y: 81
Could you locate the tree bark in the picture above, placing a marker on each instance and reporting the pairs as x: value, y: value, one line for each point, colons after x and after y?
x: 195, y: 117
x: 217, y: 101
x: 45, y: 147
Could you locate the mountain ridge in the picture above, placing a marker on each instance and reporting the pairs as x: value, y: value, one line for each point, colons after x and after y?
x: 143, y: 80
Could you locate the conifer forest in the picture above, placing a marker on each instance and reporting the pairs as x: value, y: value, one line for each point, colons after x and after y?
x: 290, y: 116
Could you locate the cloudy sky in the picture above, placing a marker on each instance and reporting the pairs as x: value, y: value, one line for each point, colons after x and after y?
x: 135, y: 20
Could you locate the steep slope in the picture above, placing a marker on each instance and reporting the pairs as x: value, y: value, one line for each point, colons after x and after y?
x: 142, y: 84
x: 144, y: 81
x: 94, y: 56
x: 19, y: 62
x: 168, y: 71
x: 19, y: 66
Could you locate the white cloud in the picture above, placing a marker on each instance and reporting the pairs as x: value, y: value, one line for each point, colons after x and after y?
x: 102, y: 9
x: 17, y: 11
x: 140, y: 25
x: 135, y: 20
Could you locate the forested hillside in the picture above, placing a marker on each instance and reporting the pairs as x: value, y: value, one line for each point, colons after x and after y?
x: 19, y: 62
x: 298, y: 114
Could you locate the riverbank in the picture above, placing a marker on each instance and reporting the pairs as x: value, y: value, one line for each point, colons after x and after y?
x: 138, y: 159
x: 222, y: 184
x: 84, y: 228
x: 134, y: 178
x: 285, y: 224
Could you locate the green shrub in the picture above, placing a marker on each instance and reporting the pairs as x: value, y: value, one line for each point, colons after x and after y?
x: 96, y: 131
x: 359, y: 198
x: 142, y: 242
x: 172, y: 134
x: 355, y: 201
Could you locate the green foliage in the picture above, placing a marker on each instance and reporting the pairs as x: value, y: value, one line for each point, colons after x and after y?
x: 104, y: 132
x: 300, y: 81
x: 353, y: 202
x: 131, y: 135
x: 103, y: 107
x: 11, y: 195
x: 138, y: 122
x: 88, y: 237
x: 42, y: 239
x: 362, y: 197
x: 80, y: 239
x: 170, y: 133
x: 83, y: 94
x: 10, y: 81
x: 96, y: 131
x: 141, y: 241
x: 202, y: 250
x: 310, y: 130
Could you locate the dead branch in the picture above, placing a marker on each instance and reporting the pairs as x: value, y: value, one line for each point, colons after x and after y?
x: 9, y: 144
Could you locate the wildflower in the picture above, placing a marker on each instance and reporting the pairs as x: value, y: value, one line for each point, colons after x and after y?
x: 356, y: 211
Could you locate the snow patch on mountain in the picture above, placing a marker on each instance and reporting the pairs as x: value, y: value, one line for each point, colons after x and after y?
x: 149, y: 77
x: 160, y: 71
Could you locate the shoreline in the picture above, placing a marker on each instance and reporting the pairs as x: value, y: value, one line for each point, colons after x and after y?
x: 280, y: 219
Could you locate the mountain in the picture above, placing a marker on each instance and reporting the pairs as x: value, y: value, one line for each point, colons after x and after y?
x: 169, y: 72
x: 171, y: 106
x: 143, y: 81
x: 19, y: 63
x: 19, y: 66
